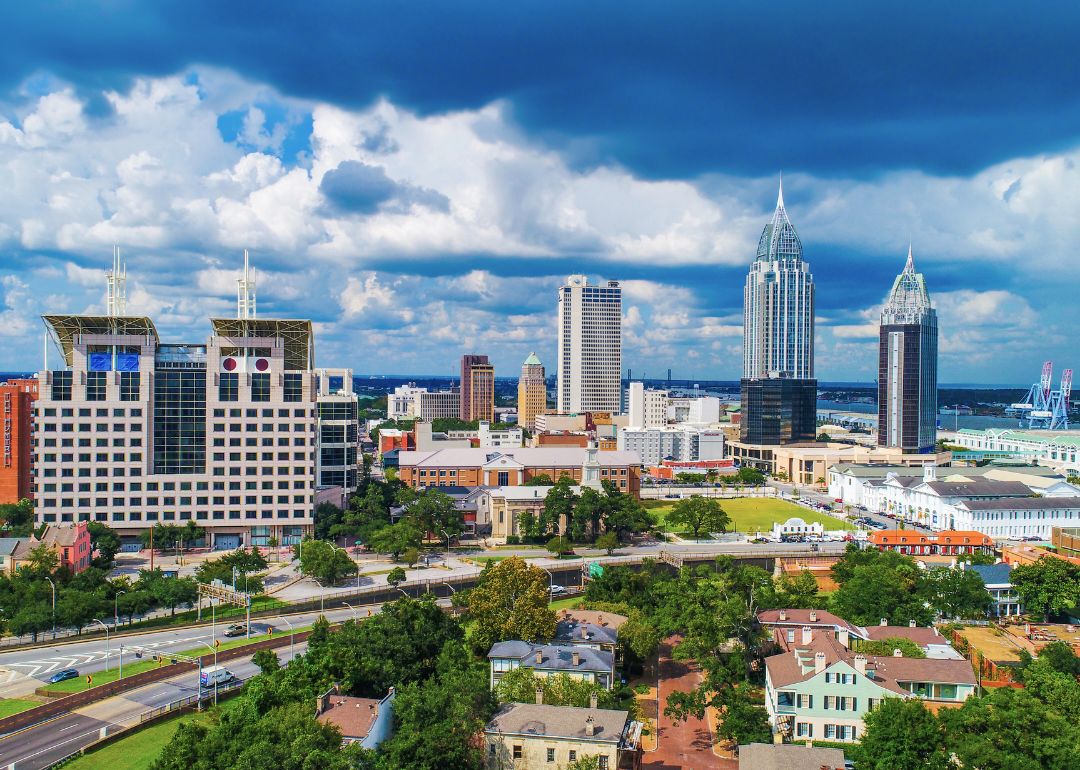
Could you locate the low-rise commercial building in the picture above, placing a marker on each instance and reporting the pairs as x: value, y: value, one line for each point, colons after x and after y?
x: 682, y: 443
x: 1057, y: 450
x: 487, y: 467
x: 945, y: 543
x: 807, y: 464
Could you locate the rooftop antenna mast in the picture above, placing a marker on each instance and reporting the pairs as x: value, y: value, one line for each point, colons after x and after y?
x: 116, y: 283
x: 245, y: 292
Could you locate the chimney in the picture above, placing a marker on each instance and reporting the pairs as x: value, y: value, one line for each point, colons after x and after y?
x: 783, y: 614
x: 565, y: 612
x: 599, y: 620
x: 884, y: 622
x: 576, y: 657
x: 590, y: 730
x: 539, y: 657
x: 813, y: 616
x: 539, y: 696
x: 819, y: 662
x: 843, y: 638
x: 807, y: 634
x: 935, y: 630
x: 911, y: 624
x: 860, y: 664
x: 592, y: 699
x: 896, y: 653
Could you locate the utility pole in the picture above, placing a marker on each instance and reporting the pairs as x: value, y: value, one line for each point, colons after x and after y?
x: 151, y: 549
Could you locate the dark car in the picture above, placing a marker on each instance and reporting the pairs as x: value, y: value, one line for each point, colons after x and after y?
x: 63, y: 676
x: 236, y: 630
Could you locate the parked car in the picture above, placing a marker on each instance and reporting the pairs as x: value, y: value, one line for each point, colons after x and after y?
x: 237, y: 629
x: 556, y: 590
x: 63, y: 676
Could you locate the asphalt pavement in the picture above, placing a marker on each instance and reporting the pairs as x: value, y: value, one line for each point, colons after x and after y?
x: 23, y: 671
x: 43, y: 744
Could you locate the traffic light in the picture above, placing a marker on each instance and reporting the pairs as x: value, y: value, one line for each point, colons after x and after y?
x: 89, y: 680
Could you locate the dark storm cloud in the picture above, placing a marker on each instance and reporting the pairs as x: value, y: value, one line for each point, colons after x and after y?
x: 670, y: 89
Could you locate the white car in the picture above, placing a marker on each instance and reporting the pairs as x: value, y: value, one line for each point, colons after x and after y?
x: 555, y: 590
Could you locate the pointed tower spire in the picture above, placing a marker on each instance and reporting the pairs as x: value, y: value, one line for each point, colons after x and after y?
x: 780, y: 197
x: 910, y: 266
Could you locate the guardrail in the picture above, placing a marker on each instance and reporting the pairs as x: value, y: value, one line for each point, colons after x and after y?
x: 189, y: 700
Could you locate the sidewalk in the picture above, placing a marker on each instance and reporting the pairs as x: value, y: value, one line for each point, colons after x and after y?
x: 686, y: 744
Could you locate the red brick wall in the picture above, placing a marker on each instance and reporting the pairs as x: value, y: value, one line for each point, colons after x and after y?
x: 15, y: 464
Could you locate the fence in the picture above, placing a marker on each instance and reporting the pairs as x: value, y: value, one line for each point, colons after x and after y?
x: 175, y: 705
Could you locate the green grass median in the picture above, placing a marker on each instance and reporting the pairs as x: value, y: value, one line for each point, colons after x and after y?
x: 11, y: 706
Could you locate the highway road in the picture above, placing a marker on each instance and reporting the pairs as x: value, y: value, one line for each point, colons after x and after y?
x: 23, y: 671
x: 39, y: 746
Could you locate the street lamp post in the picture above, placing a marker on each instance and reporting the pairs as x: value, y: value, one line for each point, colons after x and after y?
x: 353, y: 610
x: 116, y: 611
x: 214, y: 650
x: 322, y: 597
x: 53, y: 605
x: 106, y: 642
x: 291, y: 636
x: 447, y: 547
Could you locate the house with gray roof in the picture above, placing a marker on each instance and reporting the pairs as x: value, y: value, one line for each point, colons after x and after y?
x: 789, y: 756
x: 11, y: 549
x: 583, y: 663
x: 998, y: 581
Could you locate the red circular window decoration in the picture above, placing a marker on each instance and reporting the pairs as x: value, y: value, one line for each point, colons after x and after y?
x: 228, y: 364
x: 262, y: 364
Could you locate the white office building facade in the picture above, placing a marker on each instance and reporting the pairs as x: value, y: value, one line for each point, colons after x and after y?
x: 590, y: 347
x: 229, y: 434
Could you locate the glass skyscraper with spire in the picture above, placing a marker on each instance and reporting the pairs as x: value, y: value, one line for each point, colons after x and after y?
x: 779, y: 392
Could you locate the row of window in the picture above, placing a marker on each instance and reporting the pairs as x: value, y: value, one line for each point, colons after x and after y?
x: 85, y: 442
x: 601, y: 760
x: 67, y: 473
x: 267, y: 427
x: 103, y: 502
x: 85, y: 427
x: 99, y: 412
x: 835, y: 732
x: 50, y: 518
x: 84, y: 457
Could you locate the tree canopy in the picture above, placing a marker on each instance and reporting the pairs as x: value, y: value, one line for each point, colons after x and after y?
x: 510, y: 601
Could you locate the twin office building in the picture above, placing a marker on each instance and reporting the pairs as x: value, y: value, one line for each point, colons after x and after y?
x: 237, y: 434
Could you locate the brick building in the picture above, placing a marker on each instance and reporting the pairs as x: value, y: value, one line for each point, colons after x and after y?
x: 477, y: 389
x: 532, y: 392
x: 487, y: 467
x: 16, y: 473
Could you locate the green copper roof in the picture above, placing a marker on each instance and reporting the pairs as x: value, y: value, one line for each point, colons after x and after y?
x: 532, y: 360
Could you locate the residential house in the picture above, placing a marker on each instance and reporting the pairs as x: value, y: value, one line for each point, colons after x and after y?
x: 789, y: 756
x: 10, y: 548
x: 790, y: 628
x: 71, y: 543
x: 595, y: 630
x: 526, y: 736
x: 820, y: 689
x: 1005, y: 600
x: 550, y: 660
x: 366, y: 721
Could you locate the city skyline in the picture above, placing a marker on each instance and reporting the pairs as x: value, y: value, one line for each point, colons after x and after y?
x: 428, y: 216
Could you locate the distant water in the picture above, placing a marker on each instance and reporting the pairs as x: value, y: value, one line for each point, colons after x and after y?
x: 946, y: 421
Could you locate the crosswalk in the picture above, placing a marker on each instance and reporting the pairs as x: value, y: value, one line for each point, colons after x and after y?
x: 14, y: 672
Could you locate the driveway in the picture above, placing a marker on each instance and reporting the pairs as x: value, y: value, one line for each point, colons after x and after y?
x: 682, y: 744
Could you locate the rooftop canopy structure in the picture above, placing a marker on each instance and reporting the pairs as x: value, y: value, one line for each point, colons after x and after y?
x: 297, y: 334
x: 909, y: 301
x: 66, y: 328
x: 779, y: 241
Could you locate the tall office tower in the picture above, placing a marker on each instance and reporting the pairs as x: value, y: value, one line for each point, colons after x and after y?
x: 532, y: 392
x: 590, y: 347
x: 227, y: 433
x: 779, y: 392
x: 17, y: 399
x: 477, y: 389
x: 907, y: 366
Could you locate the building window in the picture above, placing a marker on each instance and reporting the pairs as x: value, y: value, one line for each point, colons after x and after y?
x: 229, y: 387
x: 61, y: 386
x: 95, y: 386
x: 805, y: 730
x: 550, y: 754
x: 180, y: 422
x: 602, y: 762
x: 260, y: 387
x: 504, y: 478
x: 294, y: 388
x: 830, y: 731
x: 129, y: 386
x: 573, y: 755
x: 517, y: 752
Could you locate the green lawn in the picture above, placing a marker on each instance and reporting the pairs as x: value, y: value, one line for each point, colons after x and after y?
x: 750, y: 514
x: 138, y: 750
x: 566, y: 604
x: 9, y: 706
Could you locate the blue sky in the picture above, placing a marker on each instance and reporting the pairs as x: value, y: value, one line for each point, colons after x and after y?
x: 419, y: 178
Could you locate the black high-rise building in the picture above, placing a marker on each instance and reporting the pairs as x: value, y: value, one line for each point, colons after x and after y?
x: 778, y: 411
x: 907, y: 366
